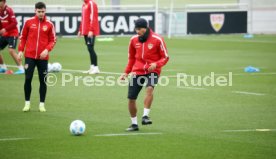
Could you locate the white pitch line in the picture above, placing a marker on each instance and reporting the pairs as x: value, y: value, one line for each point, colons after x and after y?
x: 170, y: 70
x: 78, y: 71
x: 176, y: 76
x: 69, y: 70
x: 12, y: 66
x: 170, y: 76
x: 195, y: 88
x: 251, y: 130
x: 129, y: 134
x: 248, y: 74
x: 225, y: 40
x: 239, y: 74
x: 249, y: 93
x: 234, y: 74
x: 81, y: 71
x: 14, y: 139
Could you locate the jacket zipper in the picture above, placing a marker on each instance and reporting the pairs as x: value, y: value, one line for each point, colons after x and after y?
x: 37, y: 39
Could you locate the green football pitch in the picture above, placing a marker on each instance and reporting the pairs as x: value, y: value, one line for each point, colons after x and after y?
x: 189, y: 122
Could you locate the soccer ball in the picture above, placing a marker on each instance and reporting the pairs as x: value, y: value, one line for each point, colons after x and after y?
x: 77, y: 127
x: 56, y: 67
x: 50, y: 67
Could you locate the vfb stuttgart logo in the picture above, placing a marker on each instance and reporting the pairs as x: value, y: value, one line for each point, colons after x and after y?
x: 217, y: 21
x: 45, y: 28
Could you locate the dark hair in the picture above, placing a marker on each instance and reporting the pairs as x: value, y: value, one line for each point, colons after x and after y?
x: 2, y: 0
x: 40, y: 5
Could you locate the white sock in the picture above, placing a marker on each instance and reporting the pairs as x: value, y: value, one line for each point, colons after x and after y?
x: 20, y: 67
x: 134, y: 120
x: 27, y: 102
x: 92, y: 67
x: 41, y: 104
x: 146, y: 112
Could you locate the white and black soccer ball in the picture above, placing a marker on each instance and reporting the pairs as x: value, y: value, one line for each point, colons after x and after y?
x: 77, y: 127
x: 56, y: 67
x: 50, y: 67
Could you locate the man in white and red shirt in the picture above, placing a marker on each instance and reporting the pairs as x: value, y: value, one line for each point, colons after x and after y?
x: 89, y: 28
x: 147, y: 55
x: 37, y: 39
x: 8, y: 36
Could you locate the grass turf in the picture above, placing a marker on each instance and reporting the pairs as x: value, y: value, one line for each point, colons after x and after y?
x: 192, y: 122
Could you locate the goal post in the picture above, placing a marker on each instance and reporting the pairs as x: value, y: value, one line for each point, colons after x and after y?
x: 204, y: 13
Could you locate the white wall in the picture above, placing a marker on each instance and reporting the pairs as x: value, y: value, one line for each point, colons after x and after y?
x: 263, y: 16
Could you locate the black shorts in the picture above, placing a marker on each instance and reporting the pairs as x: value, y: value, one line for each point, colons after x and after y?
x: 10, y: 40
x: 89, y: 40
x: 137, y: 82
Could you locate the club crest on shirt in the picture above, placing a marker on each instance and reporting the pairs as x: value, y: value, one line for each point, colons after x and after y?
x: 44, y: 28
x: 150, y: 46
x: 26, y: 66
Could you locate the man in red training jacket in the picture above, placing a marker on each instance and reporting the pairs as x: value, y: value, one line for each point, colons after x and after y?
x: 37, y: 39
x: 89, y: 28
x: 8, y: 36
x: 146, y: 57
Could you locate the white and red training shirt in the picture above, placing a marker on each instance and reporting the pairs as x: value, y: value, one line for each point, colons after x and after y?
x: 141, y: 55
x: 89, y: 18
x: 36, y: 36
x: 8, y: 22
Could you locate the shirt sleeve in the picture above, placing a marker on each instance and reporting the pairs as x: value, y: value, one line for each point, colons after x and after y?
x: 23, y: 37
x: 12, y: 21
x: 52, y: 38
x: 164, y: 54
x: 131, y: 58
x: 80, y: 28
x: 93, y: 17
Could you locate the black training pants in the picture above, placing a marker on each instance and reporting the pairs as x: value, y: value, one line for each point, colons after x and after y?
x: 90, y: 43
x: 42, y: 67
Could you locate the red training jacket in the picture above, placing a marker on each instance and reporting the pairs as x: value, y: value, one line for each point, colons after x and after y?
x: 36, y: 36
x: 8, y: 22
x: 89, y: 18
x: 141, y: 55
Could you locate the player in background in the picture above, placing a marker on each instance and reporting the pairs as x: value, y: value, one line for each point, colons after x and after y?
x: 89, y: 28
x: 146, y: 57
x: 8, y: 36
x: 37, y: 39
